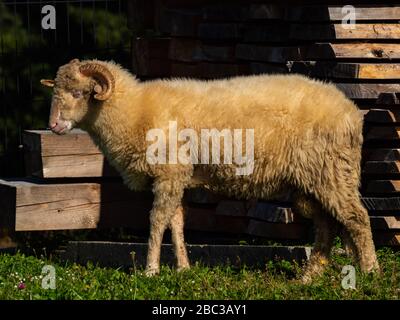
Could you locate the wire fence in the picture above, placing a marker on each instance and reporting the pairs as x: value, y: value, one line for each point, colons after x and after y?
x: 28, y: 53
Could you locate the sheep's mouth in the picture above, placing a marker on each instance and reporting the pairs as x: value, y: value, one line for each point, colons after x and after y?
x: 62, y: 127
x: 61, y: 131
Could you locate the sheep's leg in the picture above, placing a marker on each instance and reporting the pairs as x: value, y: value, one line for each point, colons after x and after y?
x: 346, y: 207
x: 167, y: 198
x: 358, y: 226
x: 176, y: 225
x: 325, y: 230
x: 348, y: 243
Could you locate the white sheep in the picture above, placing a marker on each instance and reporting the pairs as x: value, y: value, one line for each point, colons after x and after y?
x: 307, y: 137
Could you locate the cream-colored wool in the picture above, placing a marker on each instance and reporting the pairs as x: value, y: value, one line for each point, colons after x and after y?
x: 307, y: 134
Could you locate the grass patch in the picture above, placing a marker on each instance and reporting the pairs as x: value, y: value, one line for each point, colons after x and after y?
x: 21, y: 278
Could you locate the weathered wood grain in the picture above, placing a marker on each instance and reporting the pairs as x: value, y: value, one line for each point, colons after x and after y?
x: 382, y: 116
x: 381, y: 204
x: 381, y: 167
x: 341, y: 70
x: 382, y: 133
x: 381, y: 154
x: 367, y: 90
x: 48, y: 155
x: 318, y: 51
x: 385, y: 222
x: 335, y: 13
x: 383, y: 186
x: 321, y: 32
x: 387, y: 238
x: 43, y: 206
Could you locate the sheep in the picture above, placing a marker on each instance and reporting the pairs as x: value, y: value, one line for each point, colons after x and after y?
x: 307, y: 138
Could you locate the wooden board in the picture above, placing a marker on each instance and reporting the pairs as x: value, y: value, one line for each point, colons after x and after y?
x: 320, y: 32
x: 385, y: 223
x: 381, y: 154
x: 381, y: 204
x: 341, y: 70
x: 381, y: 167
x: 335, y: 13
x: 382, y: 133
x: 382, y: 116
x: 119, y: 254
x: 48, y: 155
x: 50, y: 144
x: 42, y: 206
x: 383, y: 186
x: 318, y: 51
x: 260, y: 210
x: 367, y: 90
x: 277, y: 230
x: 387, y: 238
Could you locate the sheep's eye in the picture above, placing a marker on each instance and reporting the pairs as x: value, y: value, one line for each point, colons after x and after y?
x: 77, y: 94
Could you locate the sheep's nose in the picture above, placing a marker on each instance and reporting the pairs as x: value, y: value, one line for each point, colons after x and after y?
x: 52, y: 125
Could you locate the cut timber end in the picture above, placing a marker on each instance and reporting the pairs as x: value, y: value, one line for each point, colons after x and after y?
x: 383, y: 186
x: 74, y: 155
x: 385, y: 223
x: 382, y: 116
x: 342, y: 70
x: 38, y: 206
x: 335, y: 13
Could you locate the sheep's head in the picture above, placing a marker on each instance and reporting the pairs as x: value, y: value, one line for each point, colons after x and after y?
x: 78, y: 87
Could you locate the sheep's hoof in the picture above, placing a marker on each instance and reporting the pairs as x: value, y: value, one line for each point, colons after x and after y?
x: 182, y: 268
x: 151, y: 272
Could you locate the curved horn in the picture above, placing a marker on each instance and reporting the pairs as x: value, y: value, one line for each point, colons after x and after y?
x: 103, y: 77
x: 47, y: 82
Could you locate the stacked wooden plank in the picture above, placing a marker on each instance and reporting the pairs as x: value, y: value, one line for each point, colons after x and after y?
x: 69, y: 188
x: 213, y: 40
x: 75, y: 188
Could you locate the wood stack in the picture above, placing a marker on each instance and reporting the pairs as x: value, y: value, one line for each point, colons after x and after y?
x: 206, y: 40
x: 75, y: 188
x: 71, y: 186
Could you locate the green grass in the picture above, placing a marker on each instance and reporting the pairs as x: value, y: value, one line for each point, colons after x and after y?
x: 276, y: 281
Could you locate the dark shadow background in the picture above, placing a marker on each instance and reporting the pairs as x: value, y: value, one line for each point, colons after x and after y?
x: 28, y: 53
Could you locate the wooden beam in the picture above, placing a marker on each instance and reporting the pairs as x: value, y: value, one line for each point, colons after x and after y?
x: 321, y: 32
x: 119, y: 254
x: 383, y: 186
x: 43, y: 206
x: 382, y: 133
x: 381, y: 154
x: 339, y: 70
x: 387, y: 238
x: 381, y: 167
x: 381, y: 204
x: 335, y: 13
x: 367, y: 90
x: 382, y: 116
x: 385, y: 222
x: 318, y: 51
x: 277, y: 230
x: 48, y: 155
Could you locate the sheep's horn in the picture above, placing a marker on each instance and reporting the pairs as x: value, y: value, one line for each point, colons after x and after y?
x: 104, y: 78
x: 47, y: 82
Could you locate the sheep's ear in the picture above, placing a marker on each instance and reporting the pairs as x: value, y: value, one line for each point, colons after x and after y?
x: 74, y: 61
x: 103, y: 77
x: 47, y: 82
